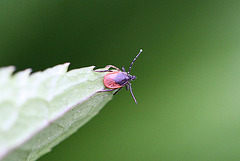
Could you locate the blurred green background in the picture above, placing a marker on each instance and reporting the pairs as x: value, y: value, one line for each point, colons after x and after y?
x: 188, y: 86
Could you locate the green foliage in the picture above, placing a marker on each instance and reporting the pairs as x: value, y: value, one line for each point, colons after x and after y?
x: 38, y: 111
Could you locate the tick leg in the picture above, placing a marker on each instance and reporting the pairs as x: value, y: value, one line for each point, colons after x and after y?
x: 106, y: 90
x: 108, y: 67
x: 117, y: 91
x: 130, y: 87
x: 100, y: 71
x: 111, y: 66
x: 123, y: 69
x: 134, y: 61
x: 127, y: 87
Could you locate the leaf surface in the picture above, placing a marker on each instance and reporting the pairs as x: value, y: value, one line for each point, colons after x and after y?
x: 39, y: 110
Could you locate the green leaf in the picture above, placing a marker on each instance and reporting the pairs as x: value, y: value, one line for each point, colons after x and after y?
x: 40, y: 110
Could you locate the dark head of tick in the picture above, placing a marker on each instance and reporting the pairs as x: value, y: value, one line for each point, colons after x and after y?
x: 118, y: 79
x: 122, y: 78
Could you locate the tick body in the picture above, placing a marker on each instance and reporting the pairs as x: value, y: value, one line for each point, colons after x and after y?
x: 118, y: 79
x: 114, y: 80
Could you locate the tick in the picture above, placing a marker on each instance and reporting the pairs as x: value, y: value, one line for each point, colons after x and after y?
x: 118, y: 79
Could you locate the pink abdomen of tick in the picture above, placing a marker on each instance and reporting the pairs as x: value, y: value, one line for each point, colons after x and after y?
x: 109, y: 80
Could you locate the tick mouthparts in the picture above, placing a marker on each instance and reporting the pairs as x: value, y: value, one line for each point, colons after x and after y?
x: 133, y: 77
